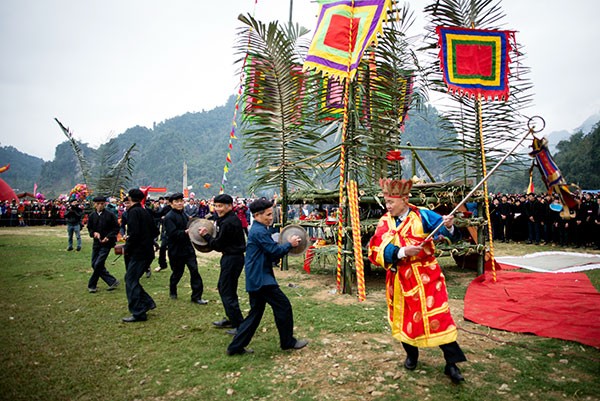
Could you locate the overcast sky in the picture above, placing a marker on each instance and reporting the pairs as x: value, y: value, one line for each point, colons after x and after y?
x: 102, y: 66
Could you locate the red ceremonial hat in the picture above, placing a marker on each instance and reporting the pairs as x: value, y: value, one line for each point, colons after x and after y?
x: 395, y: 188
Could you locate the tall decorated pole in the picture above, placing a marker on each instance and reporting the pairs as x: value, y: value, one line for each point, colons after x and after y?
x: 475, y: 64
x: 345, y: 28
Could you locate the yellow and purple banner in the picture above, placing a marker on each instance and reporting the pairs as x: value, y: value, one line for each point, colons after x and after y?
x: 474, y: 62
x: 345, y: 28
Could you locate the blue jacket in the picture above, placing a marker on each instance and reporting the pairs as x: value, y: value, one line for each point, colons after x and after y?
x: 261, y: 252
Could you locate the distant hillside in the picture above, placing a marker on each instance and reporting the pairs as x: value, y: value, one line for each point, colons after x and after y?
x: 556, y: 136
x: 589, y: 124
x: 201, y: 140
x: 61, y: 174
x: 24, y: 169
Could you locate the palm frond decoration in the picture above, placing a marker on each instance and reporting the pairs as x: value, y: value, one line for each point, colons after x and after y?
x: 105, y: 174
x: 279, y: 132
x: 83, y: 164
x: 384, y: 89
x: 502, y: 121
x: 114, y: 175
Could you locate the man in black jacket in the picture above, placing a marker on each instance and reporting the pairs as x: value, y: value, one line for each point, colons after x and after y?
x: 532, y: 212
x: 103, y: 227
x: 229, y: 240
x: 139, y: 253
x: 181, y: 251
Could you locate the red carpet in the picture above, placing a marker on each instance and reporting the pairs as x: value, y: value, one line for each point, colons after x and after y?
x: 565, y: 305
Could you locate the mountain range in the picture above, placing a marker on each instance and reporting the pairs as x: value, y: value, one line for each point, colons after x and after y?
x: 556, y: 136
x: 201, y: 140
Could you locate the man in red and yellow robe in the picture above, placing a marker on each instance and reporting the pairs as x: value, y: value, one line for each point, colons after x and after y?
x: 417, y: 298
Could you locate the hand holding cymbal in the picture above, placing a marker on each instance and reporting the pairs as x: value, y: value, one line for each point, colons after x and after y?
x: 295, y: 240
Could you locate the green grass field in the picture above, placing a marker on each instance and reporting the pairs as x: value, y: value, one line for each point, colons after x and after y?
x: 58, y: 342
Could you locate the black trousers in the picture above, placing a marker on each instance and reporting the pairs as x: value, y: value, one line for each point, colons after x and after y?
x: 99, y: 255
x: 162, y: 254
x: 139, y: 301
x: 282, y: 311
x: 178, y: 266
x: 231, y: 268
x: 452, y: 352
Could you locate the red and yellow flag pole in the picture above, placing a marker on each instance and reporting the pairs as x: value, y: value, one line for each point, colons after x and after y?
x: 356, y: 239
x: 340, y: 231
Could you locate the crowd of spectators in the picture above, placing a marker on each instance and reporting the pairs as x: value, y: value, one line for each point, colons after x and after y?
x: 52, y: 212
x: 543, y: 219
x: 32, y: 213
x: 532, y: 218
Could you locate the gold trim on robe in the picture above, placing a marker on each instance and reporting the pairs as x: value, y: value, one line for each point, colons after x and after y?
x: 417, y: 298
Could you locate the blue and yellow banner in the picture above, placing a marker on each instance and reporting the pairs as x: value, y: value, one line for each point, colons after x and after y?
x: 475, y: 61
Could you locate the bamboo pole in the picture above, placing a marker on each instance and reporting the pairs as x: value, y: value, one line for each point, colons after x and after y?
x: 531, y: 131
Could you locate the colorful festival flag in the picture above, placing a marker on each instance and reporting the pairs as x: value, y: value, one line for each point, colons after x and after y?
x: 332, y: 98
x: 551, y: 175
x: 402, y: 102
x: 530, y: 188
x: 345, y: 28
x: 259, y: 79
x: 255, y: 87
x: 475, y: 61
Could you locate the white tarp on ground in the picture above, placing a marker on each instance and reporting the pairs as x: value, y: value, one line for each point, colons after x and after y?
x: 553, y: 262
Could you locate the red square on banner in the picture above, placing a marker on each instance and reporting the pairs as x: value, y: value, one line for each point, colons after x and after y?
x: 337, y: 32
x: 473, y: 59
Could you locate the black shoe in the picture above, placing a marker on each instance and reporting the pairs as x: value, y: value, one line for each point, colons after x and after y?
x: 132, y: 319
x: 69, y: 249
x: 200, y: 301
x: 78, y: 249
x: 232, y: 332
x: 454, y: 373
x: 300, y: 344
x: 113, y: 285
x: 410, y: 364
x: 240, y: 352
x: 222, y: 324
x: 92, y: 290
x: 173, y: 296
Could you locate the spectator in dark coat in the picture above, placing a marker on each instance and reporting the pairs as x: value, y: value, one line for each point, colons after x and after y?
x: 73, y: 217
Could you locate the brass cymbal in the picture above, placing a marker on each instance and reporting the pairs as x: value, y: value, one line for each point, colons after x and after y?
x: 293, y: 229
